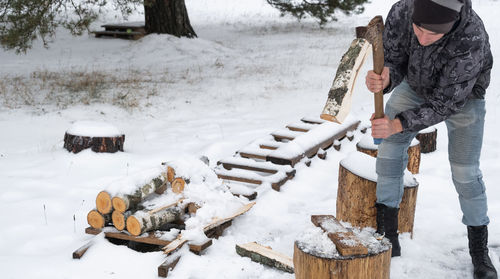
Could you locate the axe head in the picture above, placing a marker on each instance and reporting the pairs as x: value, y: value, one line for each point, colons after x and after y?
x: 372, y: 31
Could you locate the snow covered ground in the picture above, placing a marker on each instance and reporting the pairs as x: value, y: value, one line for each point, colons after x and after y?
x: 248, y: 73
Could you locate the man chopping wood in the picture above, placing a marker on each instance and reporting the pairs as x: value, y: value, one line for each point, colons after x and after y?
x: 437, y: 64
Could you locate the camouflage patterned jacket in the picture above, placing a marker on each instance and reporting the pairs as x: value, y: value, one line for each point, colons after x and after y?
x: 446, y: 73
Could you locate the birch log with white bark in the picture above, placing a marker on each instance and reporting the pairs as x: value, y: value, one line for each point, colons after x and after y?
x: 339, y: 99
x: 125, y: 201
x: 143, y: 221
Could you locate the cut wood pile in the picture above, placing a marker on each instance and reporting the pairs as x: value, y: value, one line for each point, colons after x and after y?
x: 159, y: 207
x: 272, y: 160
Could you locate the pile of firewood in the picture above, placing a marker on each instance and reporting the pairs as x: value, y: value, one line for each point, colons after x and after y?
x: 126, y: 208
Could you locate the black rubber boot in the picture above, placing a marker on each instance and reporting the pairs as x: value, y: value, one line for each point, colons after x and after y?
x: 478, y: 249
x: 387, y: 225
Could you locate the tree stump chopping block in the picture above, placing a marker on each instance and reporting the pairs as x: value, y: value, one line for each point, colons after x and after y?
x: 318, y: 256
x: 356, y: 196
x: 100, y: 137
x: 366, y: 146
x: 427, y: 138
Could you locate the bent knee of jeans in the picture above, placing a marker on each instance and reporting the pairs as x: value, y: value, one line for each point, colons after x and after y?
x: 390, y: 167
x: 468, y: 180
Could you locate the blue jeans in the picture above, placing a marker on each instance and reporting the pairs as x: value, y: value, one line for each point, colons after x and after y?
x: 465, y: 138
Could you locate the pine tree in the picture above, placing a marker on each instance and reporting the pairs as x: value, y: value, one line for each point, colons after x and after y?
x: 323, y: 10
x: 23, y: 21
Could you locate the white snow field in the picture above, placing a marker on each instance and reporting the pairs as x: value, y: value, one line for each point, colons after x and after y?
x: 249, y: 72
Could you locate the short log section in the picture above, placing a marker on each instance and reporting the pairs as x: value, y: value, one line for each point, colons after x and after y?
x: 312, y: 259
x: 99, y: 136
x: 366, y: 146
x: 356, y: 196
x: 427, y: 138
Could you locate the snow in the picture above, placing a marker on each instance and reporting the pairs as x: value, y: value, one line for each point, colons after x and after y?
x: 249, y: 72
x: 305, y: 141
x: 363, y: 165
x: 93, y: 129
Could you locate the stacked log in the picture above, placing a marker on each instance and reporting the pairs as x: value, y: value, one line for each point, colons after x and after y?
x: 366, y: 146
x: 124, y: 199
x: 356, y: 196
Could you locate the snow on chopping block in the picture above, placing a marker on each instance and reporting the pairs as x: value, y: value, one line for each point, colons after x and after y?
x: 335, y: 250
x: 99, y: 136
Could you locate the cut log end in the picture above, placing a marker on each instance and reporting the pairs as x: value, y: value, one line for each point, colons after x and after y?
x: 119, y: 204
x: 103, y: 202
x: 178, y: 185
x: 96, y: 220
x: 118, y: 220
x: 170, y: 174
x: 329, y: 117
x: 133, y: 226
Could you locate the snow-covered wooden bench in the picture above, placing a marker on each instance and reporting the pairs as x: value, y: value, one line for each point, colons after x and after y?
x: 272, y: 158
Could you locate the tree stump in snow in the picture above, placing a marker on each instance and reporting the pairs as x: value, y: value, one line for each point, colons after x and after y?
x: 318, y: 256
x: 356, y: 196
x: 427, y: 138
x: 100, y: 137
x: 366, y: 146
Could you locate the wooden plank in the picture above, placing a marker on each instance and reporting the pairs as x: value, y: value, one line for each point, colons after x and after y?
x: 198, y: 248
x: 265, y: 255
x: 281, y: 135
x: 251, y: 155
x: 150, y: 239
x: 276, y: 180
x: 346, y: 242
x: 300, y: 126
x: 312, y: 120
x: 78, y: 253
x: 168, y: 265
x: 248, y: 164
x: 216, y: 223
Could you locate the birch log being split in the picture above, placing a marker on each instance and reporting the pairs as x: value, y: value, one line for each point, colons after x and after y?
x: 143, y: 221
x: 339, y: 99
x: 125, y: 201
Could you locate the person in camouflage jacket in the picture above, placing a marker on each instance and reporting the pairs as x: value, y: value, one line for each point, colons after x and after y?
x: 437, y: 66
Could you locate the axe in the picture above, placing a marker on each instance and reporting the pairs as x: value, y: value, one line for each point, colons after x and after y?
x: 338, y: 103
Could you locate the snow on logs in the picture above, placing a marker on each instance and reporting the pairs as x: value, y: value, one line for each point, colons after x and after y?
x: 356, y: 195
x: 308, y: 144
x: 366, y: 146
x: 99, y: 136
x: 427, y: 138
x: 332, y: 250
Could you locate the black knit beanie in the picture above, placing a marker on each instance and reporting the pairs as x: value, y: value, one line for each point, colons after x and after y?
x: 436, y: 15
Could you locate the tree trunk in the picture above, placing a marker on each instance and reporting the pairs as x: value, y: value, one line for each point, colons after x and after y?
x: 97, y: 220
x: 167, y: 17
